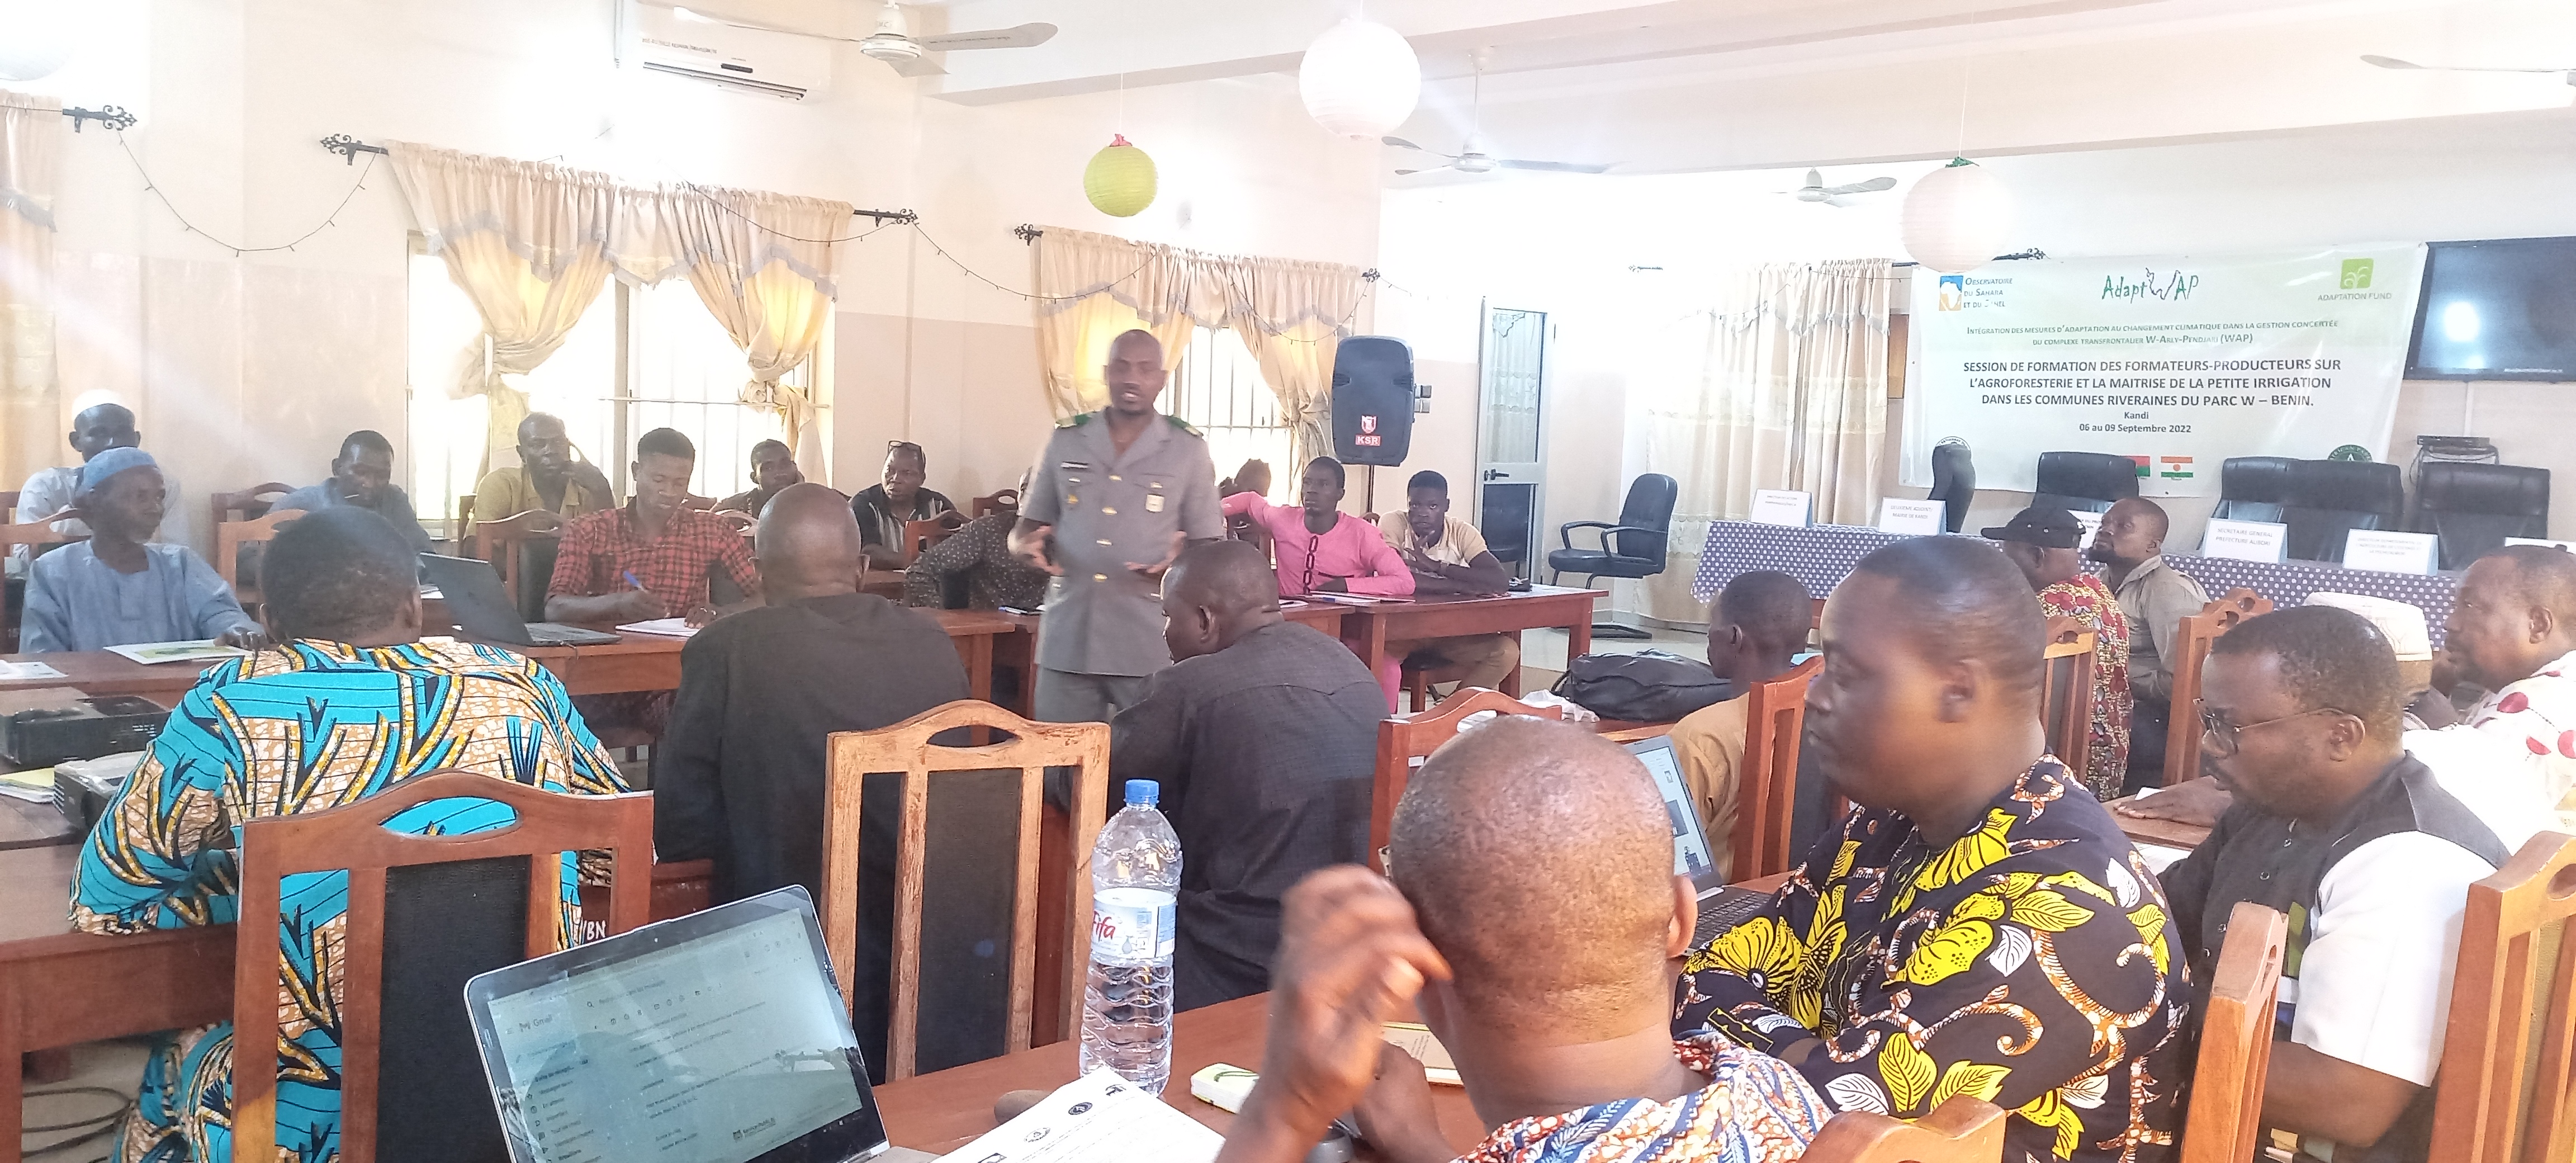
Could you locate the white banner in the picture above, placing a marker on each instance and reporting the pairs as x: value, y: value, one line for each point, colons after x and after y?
x: 2177, y: 363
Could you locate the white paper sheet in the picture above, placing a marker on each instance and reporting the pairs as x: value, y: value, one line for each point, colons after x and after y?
x: 159, y: 652
x: 1099, y: 1118
x: 665, y: 627
x: 27, y: 671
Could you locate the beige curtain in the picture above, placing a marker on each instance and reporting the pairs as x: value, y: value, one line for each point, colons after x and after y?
x: 1780, y: 384
x: 31, y: 137
x: 764, y: 265
x: 528, y: 243
x: 1291, y: 315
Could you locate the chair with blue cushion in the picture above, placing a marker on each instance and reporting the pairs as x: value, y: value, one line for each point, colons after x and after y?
x: 1633, y: 547
x: 2085, y: 482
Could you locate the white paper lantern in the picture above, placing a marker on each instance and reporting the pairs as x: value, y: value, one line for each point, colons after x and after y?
x: 1360, y: 80
x: 36, y: 37
x: 1957, y: 218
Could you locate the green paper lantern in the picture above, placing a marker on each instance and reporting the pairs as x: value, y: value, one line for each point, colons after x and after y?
x: 1120, y: 179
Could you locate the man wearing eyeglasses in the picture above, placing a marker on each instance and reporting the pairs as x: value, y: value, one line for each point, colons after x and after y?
x: 2352, y: 839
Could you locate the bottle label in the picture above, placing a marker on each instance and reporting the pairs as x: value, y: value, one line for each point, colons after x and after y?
x: 1132, y: 927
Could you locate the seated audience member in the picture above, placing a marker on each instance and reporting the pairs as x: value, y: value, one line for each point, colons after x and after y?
x: 2041, y: 540
x: 1757, y: 624
x: 897, y: 497
x: 1448, y: 556
x: 548, y: 479
x: 1321, y: 549
x: 975, y: 565
x: 2154, y: 599
x: 1534, y: 913
x: 2336, y: 826
x: 773, y: 468
x: 738, y: 777
x: 48, y: 491
x: 115, y: 589
x: 652, y: 558
x: 351, y: 692
x: 1977, y: 924
x: 1263, y: 735
x: 362, y: 477
x: 1253, y: 477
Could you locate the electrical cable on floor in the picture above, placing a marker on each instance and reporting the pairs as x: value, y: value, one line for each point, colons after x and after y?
x: 91, y: 1128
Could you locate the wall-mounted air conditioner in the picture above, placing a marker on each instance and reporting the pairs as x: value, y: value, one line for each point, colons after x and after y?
x: 675, y: 41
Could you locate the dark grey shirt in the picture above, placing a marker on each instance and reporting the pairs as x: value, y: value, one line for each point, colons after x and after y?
x: 1111, y: 510
x: 394, y: 506
x: 1266, y: 752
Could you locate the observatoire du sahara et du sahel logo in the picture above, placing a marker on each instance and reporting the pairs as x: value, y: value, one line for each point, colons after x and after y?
x: 1954, y: 291
x: 2356, y: 273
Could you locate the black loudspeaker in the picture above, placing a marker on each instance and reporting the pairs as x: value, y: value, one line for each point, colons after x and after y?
x: 1372, y: 400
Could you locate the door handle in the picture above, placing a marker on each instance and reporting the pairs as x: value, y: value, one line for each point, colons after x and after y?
x: 1493, y: 474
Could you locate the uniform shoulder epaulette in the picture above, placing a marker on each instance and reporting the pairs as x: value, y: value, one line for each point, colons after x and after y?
x: 1076, y: 420
x: 1183, y: 425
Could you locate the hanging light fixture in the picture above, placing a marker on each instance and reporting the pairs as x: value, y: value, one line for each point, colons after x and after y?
x: 1957, y: 217
x: 1120, y: 179
x: 1360, y: 79
x: 36, y: 38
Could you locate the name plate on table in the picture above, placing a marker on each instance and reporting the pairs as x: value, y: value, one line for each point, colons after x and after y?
x: 2569, y: 546
x: 2394, y: 552
x: 1782, y: 507
x: 1911, y: 518
x: 2246, y: 540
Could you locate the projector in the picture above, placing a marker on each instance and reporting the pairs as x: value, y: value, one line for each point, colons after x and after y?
x: 52, y: 724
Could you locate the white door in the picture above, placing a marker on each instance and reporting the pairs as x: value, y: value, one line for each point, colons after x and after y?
x: 1512, y: 372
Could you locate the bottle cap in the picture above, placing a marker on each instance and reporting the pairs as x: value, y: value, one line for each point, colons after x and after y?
x: 1143, y: 791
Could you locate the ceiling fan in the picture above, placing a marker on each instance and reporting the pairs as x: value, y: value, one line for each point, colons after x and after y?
x: 893, y: 41
x: 1817, y: 191
x: 1472, y: 160
x: 2394, y: 63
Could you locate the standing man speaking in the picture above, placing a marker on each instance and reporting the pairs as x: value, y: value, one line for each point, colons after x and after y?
x: 1112, y: 501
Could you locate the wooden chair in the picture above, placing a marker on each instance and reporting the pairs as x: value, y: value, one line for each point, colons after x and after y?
x: 1766, y: 782
x: 2226, y: 1114
x: 2066, y: 697
x: 248, y: 504
x: 505, y: 544
x: 12, y: 536
x: 921, y: 535
x: 1418, y: 682
x: 1006, y: 501
x: 8, y: 506
x: 353, y: 838
x: 2191, y: 652
x: 1962, y: 1130
x: 1401, y: 739
x: 231, y: 536
x: 1057, y: 919
x: 2506, y: 1092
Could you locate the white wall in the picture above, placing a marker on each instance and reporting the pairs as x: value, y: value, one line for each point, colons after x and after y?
x: 251, y: 368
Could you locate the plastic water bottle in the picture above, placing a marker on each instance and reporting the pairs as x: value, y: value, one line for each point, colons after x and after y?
x: 1135, y: 883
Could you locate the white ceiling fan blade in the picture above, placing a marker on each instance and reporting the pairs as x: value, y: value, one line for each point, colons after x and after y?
x: 1024, y: 36
x: 917, y: 67
x: 1551, y: 167
x: 1400, y: 143
x: 2394, y: 63
x: 1871, y: 186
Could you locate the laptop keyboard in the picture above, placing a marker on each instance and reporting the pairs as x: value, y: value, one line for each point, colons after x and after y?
x: 1724, y: 910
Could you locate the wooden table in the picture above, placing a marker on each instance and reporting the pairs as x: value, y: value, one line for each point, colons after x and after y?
x: 2165, y: 832
x: 1368, y: 629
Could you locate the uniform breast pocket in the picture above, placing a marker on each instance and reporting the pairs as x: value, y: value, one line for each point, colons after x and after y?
x: 1159, y: 493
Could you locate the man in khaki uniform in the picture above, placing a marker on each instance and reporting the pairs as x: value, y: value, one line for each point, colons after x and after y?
x: 1110, y: 504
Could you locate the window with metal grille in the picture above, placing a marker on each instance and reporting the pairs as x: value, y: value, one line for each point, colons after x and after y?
x: 641, y: 358
x: 1217, y: 387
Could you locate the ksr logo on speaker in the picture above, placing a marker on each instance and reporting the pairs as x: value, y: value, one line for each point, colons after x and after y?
x: 1368, y: 436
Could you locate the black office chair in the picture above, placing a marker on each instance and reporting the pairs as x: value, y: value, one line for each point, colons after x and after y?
x: 1954, y: 483
x: 2252, y: 488
x: 1635, y: 547
x: 2085, y: 482
x: 2472, y: 508
x: 2330, y: 498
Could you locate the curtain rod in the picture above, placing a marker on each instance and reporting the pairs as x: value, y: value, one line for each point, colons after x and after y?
x: 111, y: 116
x: 2032, y: 253
x: 349, y: 147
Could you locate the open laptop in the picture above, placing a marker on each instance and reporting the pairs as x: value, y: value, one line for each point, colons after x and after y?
x: 472, y: 590
x: 1721, y: 907
x: 718, y: 1037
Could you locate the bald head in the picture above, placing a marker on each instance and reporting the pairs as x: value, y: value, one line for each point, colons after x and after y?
x: 808, y: 544
x: 1214, y: 594
x: 1539, y: 859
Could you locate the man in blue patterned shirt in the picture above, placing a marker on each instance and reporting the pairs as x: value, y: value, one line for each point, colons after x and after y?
x: 351, y: 704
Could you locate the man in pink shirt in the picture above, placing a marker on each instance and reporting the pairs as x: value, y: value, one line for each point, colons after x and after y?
x: 1320, y: 549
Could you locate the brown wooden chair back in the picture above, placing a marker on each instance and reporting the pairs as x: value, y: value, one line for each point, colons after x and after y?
x: 12, y: 536
x: 1033, y: 747
x: 2236, y: 1039
x: 2066, y: 697
x: 353, y: 837
x: 1766, y: 784
x: 1401, y: 739
x: 1006, y: 501
x: 921, y: 535
x: 2506, y: 1092
x: 229, y: 539
x: 1962, y: 1130
x: 2191, y: 653
x: 8, y: 506
x: 504, y: 544
x: 248, y: 504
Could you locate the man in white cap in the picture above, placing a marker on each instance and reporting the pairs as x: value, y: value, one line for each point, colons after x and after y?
x: 115, y: 589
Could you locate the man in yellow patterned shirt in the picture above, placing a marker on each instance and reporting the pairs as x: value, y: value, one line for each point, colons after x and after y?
x: 1977, y: 924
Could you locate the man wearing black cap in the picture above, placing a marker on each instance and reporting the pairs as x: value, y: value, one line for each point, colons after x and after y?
x: 2042, y: 540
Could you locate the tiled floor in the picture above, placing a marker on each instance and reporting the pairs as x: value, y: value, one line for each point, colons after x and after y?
x: 115, y: 1066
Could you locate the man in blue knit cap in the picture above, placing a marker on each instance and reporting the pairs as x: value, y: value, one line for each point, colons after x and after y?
x: 116, y: 588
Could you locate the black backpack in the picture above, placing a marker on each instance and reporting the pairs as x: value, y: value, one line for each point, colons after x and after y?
x: 1649, y: 686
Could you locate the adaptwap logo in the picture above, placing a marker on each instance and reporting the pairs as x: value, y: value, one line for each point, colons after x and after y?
x: 2172, y: 286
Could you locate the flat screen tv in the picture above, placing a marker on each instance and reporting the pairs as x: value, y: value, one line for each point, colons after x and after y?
x: 2500, y: 309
